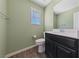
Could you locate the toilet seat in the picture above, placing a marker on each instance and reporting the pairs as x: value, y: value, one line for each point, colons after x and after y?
x: 40, y: 40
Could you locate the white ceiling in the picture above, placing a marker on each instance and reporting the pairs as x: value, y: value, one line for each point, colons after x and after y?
x: 65, y: 5
x: 42, y: 3
x: 62, y: 6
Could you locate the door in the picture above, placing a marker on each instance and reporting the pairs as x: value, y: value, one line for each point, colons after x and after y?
x: 76, y: 21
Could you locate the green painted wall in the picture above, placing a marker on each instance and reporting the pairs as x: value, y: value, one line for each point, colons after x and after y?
x: 55, y: 21
x: 3, y: 26
x: 2, y: 36
x: 66, y: 18
x: 20, y: 29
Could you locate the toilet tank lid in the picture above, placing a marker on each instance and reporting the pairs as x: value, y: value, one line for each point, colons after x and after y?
x: 40, y: 40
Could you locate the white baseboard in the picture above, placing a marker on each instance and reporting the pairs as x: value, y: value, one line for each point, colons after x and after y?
x: 19, y: 51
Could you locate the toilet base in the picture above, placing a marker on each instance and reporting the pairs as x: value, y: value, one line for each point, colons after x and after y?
x: 41, y: 49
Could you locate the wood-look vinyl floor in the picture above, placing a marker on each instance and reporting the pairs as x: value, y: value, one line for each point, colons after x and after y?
x: 31, y: 53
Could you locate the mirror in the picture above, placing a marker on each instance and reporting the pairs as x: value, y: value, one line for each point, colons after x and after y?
x: 63, y: 14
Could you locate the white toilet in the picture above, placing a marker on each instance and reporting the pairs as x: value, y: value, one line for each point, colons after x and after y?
x: 41, y: 45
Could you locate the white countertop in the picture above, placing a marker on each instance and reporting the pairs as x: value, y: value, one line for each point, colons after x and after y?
x: 68, y: 33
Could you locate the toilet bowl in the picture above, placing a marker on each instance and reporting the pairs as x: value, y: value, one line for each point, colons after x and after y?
x: 41, y: 45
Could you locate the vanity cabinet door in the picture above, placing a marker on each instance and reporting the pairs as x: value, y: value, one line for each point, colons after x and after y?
x: 50, y: 48
x: 64, y: 53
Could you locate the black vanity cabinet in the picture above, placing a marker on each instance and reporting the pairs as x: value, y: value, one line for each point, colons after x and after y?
x: 60, y: 47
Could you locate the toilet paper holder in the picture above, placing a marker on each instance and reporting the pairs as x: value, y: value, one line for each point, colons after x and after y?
x: 34, y: 36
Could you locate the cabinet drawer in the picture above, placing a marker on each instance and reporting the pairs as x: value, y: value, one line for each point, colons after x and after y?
x: 64, y: 52
x: 67, y: 41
